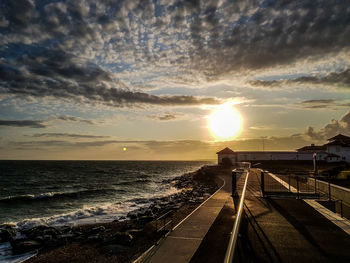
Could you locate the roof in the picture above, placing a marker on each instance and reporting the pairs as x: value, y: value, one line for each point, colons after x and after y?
x: 340, y: 137
x: 312, y: 148
x: 271, y: 152
x: 339, y: 142
x: 225, y: 151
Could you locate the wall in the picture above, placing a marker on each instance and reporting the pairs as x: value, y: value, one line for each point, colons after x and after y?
x: 339, y: 150
x: 337, y: 192
x: 262, y: 156
x: 232, y: 157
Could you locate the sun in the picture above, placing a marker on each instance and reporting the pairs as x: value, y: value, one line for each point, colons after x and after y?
x: 225, y: 122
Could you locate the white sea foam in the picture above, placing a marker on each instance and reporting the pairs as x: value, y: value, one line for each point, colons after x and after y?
x: 101, y: 213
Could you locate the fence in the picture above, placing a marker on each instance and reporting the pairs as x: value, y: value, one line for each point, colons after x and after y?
x: 303, y: 186
x: 243, y: 167
x: 165, y: 220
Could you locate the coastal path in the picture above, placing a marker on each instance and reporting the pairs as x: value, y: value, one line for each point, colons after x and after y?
x: 287, y: 230
x: 181, y: 243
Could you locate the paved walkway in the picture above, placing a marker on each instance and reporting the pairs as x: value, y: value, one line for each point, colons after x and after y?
x: 182, y: 243
x: 287, y: 230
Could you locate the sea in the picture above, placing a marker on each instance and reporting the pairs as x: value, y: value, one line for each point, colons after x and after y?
x: 80, y: 192
x: 58, y: 193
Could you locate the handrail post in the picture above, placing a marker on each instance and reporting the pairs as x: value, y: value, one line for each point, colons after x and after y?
x: 329, y: 187
x: 298, y: 196
x: 262, y: 183
x: 289, y: 182
x: 341, y: 208
x: 315, y: 185
x: 234, y: 183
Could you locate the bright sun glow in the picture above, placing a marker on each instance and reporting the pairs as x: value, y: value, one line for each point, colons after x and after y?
x: 225, y: 122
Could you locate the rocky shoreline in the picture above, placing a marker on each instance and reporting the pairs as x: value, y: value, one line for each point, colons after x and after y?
x: 119, y: 241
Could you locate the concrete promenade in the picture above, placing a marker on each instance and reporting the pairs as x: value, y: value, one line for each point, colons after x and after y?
x: 272, y: 230
x: 180, y: 245
x: 287, y: 230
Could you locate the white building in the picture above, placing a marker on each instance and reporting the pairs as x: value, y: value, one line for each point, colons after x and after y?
x: 340, y: 146
x: 337, y: 149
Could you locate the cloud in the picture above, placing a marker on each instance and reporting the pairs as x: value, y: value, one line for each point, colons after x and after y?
x: 156, y: 150
x: 68, y: 135
x: 44, y: 123
x: 23, y: 123
x: 88, y: 51
x: 73, y: 119
x: 43, y: 144
x: 56, y: 74
x: 166, y: 116
x: 331, y: 129
x: 323, y: 104
x: 338, y: 79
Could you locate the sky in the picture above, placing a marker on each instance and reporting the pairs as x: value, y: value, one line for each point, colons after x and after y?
x: 84, y: 79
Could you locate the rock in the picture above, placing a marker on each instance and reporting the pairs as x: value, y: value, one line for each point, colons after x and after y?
x: 66, y: 237
x: 6, y: 235
x: 54, y: 242
x: 65, y: 229
x: 94, y: 238
x: 132, y: 215
x: 132, y: 232
x: 97, y: 230
x: 115, y: 249
x: 120, y: 238
x: 145, y: 219
x: 148, y: 212
x: 40, y: 231
x: 40, y: 239
x: 156, y: 208
x: 7, y: 226
x: 23, y: 246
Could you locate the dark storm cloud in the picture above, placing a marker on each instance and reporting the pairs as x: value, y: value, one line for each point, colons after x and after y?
x: 56, y: 74
x: 74, y: 50
x: 339, y: 79
x: 23, y: 123
x: 269, y: 33
x: 67, y: 135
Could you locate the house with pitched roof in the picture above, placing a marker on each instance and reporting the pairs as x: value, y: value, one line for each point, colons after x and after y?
x: 339, y: 147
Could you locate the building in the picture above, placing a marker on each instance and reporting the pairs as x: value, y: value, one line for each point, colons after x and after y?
x: 337, y: 149
x: 339, y: 146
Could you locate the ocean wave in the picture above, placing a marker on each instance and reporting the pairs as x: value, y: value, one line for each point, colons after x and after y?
x: 137, y: 181
x: 52, y: 195
x: 101, y: 213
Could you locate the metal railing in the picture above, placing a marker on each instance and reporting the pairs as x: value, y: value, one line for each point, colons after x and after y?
x: 234, y: 235
x: 166, y: 219
x: 305, y: 186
